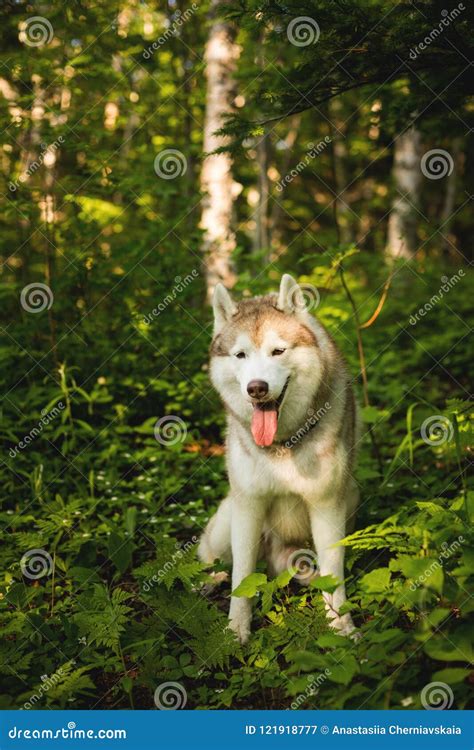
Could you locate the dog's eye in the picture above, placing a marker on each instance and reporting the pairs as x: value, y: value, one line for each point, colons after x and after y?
x: 277, y: 352
x: 240, y: 355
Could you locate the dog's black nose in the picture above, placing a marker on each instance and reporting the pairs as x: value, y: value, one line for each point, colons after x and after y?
x: 257, y: 388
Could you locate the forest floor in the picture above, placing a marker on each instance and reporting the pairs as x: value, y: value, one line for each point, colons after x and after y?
x: 101, y: 601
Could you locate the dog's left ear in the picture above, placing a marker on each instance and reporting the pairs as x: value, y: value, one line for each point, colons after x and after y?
x: 224, y: 307
x: 290, y: 296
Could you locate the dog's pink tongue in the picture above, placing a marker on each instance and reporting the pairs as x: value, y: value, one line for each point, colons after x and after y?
x: 264, y: 426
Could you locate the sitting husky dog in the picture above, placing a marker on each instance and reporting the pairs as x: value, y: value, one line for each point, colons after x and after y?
x: 292, y: 431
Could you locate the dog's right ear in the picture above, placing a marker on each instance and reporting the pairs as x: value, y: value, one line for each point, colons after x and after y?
x: 224, y: 307
x: 290, y: 296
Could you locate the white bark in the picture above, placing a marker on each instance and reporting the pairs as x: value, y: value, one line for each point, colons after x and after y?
x: 216, y: 175
x: 407, y: 177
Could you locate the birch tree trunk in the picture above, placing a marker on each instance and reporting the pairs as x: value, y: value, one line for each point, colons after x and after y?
x: 216, y: 175
x: 407, y: 177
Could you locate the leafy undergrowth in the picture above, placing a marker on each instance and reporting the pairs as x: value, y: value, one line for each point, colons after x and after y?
x: 114, y: 602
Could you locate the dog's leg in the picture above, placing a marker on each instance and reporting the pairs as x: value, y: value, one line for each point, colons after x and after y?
x: 246, y: 531
x: 215, y: 541
x: 215, y: 544
x: 352, y: 501
x: 328, y: 528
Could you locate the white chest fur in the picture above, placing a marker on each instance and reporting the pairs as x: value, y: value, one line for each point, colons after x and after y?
x: 310, y: 471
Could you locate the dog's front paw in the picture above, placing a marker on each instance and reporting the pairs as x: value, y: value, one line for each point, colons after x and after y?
x: 215, y: 580
x: 343, y: 625
x: 240, y: 616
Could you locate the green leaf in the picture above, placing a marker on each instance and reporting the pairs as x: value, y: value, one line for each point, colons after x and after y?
x: 387, y: 635
x: 344, y: 672
x: 426, y: 572
x: 283, y: 578
x: 451, y: 676
x: 131, y: 520
x: 250, y: 585
x: 307, y: 660
x: 376, y: 581
x: 459, y: 647
x: 329, y: 640
x: 370, y: 414
x: 120, y: 551
x: 325, y: 583
x: 127, y: 683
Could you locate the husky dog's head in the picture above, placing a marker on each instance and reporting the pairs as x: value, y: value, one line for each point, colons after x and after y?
x: 266, y: 360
